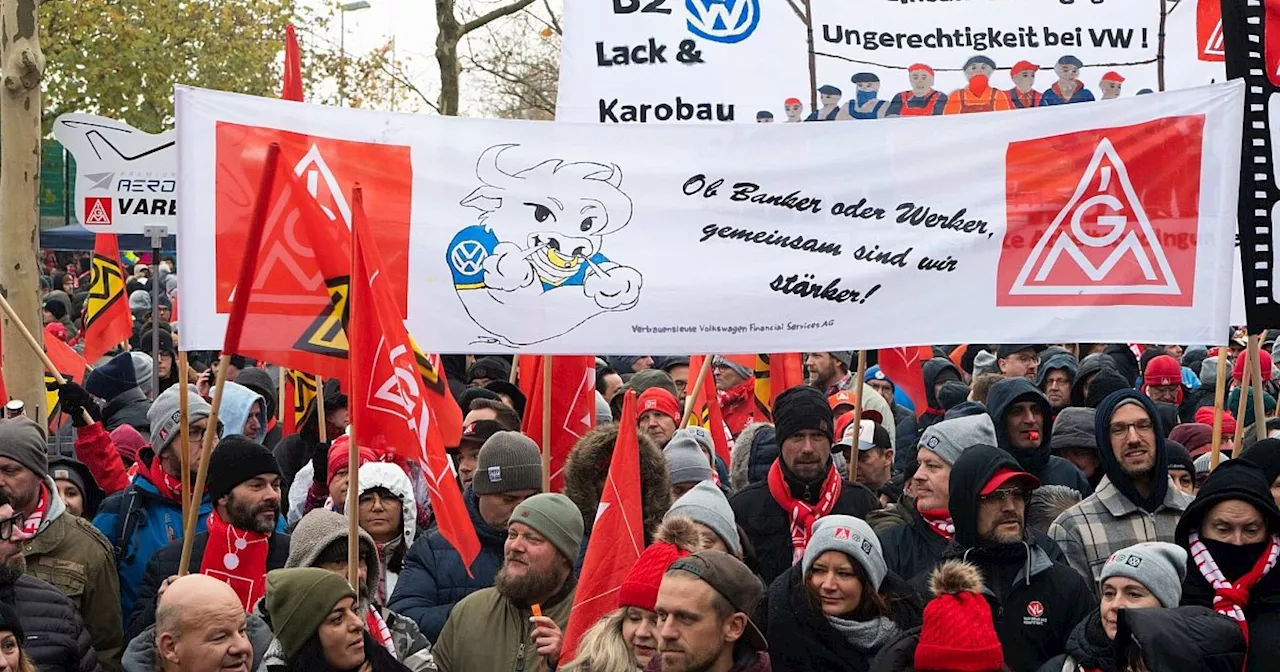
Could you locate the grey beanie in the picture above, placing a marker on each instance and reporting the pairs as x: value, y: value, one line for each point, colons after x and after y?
x: 508, y: 461
x: 1203, y: 460
x: 1073, y: 428
x: 166, y: 418
x: 1158, y: 565
x: 604, y: 414
x: 685, y: 460
x: 700, y: 434
x: 1209, y: 371
x: 985, y: 362
x: 733, y: 366
x: 949, y: 438
x: 555, y: 517
x: 851, y: 536
x: 707, y: 505
x: 845, y: 357
x: 143, y: 369
x: 23, y: 441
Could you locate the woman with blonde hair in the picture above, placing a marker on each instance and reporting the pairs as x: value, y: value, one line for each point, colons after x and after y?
x: 12, y: 657
x: 627, y: 639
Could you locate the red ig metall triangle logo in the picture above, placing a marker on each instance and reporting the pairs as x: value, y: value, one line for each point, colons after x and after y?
x: 1103, y: 218
x: 1209, y: 38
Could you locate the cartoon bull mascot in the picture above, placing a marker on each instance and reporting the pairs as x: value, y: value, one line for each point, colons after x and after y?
x: 533, y: 268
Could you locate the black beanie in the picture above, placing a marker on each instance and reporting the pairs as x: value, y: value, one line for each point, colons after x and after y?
x: 112, y: 379
x: 237, y: 459
x: 1265, y: 454
x: 952, y: 394
x: 1179, y: 457
x: 1233, y: 480
x: 9, y: 622
x: 55, y: 308
x: 800, y: 408
x: 1102, y: 385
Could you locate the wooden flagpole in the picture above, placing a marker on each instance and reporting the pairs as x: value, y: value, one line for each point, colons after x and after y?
x: 1220, y: 391
x: 320, y: 414
x: 546, y: 423
x: 35, y: 347
x: 1246, y: 383
x: 694, y: 396
x: 1259, y: 409
x: 284, y: 388
x: 515, y: 371
x: 857, y: 416
x: 184, y: 453
x: 202, y: 472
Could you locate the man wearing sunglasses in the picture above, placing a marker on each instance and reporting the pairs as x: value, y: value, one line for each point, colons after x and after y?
x: 1135, y: 502
x: 1035, y: 602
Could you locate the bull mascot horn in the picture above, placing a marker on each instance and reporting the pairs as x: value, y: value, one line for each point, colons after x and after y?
x: 487, y: 167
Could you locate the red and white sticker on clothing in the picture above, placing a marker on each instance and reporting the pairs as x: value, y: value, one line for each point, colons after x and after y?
x: 1103, y: 218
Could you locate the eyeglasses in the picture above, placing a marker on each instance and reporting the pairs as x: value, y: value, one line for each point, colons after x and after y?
x: 7, y: 525
x: 1121, y: 429
x: 1006, y: 494
x: 1023, y: 358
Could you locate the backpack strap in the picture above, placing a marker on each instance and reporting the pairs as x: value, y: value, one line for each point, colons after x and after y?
x: 126, y: 524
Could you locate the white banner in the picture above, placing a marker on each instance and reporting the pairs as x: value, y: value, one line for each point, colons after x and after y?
x: 1078, y: 223
x: 732, y: 60
x: 126, y: 179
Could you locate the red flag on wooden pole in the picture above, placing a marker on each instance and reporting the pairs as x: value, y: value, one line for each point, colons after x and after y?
x: 107, y: 321
x: 68, y: 362
x: 905, y: 367
x: 573, y: 405
x: 775, y: 374
x: 292, y: 89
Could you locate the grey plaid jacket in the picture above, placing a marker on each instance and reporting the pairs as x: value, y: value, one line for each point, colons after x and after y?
x: 1107, y: 521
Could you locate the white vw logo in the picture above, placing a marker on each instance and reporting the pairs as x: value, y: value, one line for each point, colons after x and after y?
x: 467, y: 256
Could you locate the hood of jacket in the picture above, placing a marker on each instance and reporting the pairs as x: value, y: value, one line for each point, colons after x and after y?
x: 1107, y: 457
x: 1059, y: 361
x: 755, y: 445
x: 1090, y: 365
x: 1188, y: 639
x: 931, y: 370
x: 57, y: 507
x: 143, y: 656
x: 588, y: 465
x: 92, y: 493
x: 1000, y: 401
x: 237, y: 402
x: 1126, y: 362
x: 393, y: 479
x: 975, y: 466
x: 318, y: 529
x: 259, y: 381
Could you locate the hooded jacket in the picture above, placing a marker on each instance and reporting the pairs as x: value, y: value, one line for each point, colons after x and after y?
x: 587, y: 468
x: 1040, y: 462
x: 259, y: 381
x: 1058, y: 361
x: 754, y: 451
x: 931, y: 370
x: 1126, y: 362
x: 56, y: 638
x: 392, y: 478
x: 127, y: 408
x: 1089, y: 366
x: 1186, y: 639
x: 434, y: 578
x: 143, y: 656
x: 237, y: 402
x: 1014, y: 575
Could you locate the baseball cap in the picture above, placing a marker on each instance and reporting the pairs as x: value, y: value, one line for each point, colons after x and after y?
x: 846, y: 419
x: 871, y: 435
x: 735, y: 583
x: 1006, y: 350
x: 479, y: 431
x: 1004, y: 475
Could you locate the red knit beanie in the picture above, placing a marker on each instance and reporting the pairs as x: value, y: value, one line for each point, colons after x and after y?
x: 1237, y: 370
x: 1204, y: 416
x: 339, y: 460
x: 1162, y: 370
x: 660, y: 400
x: 958, y: 634
x: 675, y: 538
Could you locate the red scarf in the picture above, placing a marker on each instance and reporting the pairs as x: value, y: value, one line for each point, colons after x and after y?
x: 940, y: 522
x: 803, y: 514
x: 377, y: 627
x: 169, y: 487
x: 31, y: 522
x: 237, y: 557
x: 1230, y: 599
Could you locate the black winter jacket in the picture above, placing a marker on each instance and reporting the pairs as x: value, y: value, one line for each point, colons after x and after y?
x: 801, y: 639
x: 129, y: 408
x: 1189, y: 639
x: 768, y: 526
x: 295, y: 450
x: 56, y: 638
x: 164, y: 564
x: 1041, y: 462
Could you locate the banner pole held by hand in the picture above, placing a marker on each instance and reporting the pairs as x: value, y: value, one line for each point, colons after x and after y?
x: 858, y: 388
x: 1219, y: 392
x: 39, y: 350
x: 691, y: 401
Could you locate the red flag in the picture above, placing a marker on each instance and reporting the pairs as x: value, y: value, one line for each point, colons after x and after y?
x: 67, y: 361
x: 573, y: 406
x: 775, y: 374
x: 617, y: 537
x: 392, y: 408
x: 905, y: 367
x: 528, y: 370
x: 107, y: 321
x: 299, y: 390
x: 292, y: 89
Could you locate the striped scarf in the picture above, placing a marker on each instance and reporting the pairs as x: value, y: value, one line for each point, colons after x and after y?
x: 1230, y: 599
x: 377, y: 627
x: 801, y: 513
x: 940, y: 522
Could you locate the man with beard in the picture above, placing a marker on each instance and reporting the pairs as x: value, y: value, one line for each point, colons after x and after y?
x: 802, y: 486
x: 829, y: 371
x: 704, y: 607
x: 1232, y: 531
x: 1035, y: 602
x: 1135, y: 502
x: 242, y: 542
x: 1021, y: 414
x: 65, y: 550
x: 495, y: 628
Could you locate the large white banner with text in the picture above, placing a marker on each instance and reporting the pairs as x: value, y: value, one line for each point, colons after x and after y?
x: 1078, y: 223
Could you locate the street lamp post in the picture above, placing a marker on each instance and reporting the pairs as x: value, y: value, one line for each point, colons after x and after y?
x: 345, y: 7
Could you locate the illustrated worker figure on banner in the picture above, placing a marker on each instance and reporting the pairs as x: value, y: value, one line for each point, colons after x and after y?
x: 922, y: 100
x: 1111, y: 85
x: 1023, y: 94
x: 979, y: 95
x: 764, y: 117
x: 794, y: 109
x: 866, y: 103
x: 829, y: 96
x: 1068, y: 88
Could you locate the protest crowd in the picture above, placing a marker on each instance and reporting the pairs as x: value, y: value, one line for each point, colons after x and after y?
x: 982, y: 508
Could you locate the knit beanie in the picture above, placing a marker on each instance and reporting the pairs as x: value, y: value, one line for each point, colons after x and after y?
x: 9, y: 623
x: 235, y: 460
x: 1162, y: 370
x: 1237, y: 369
x: 492, y: 368
x: 299, y: 600
x: 706, y: 504
x: 1194, y: 436
x: 802, y: 408
x: 165, y: 418
x: 113, y: 378
x: 674, y: 539
x: 844, y: 356
x: 1179, y: 457
x: 949, y: 438
x: 1102, y: 385
x: 985, y: 362
x: 555, y: 517
x: 660, y: 400
x: 1205, y: 459
x: 508, y: 461
x: 743, y: 365
x: 1157, y: 565
x: 1073, y: 428
x: 952, y: 394
x: 24, y: 441
x: 958, y: 633
x: 140, y: 299
x: 685, y: 460
x: 55, y: 308
x: 143, y: 369
x: 643, y: 380
x: 340, y: 458
x: 1209, y: 371
x: 851, y: 536
x: 128, y: 442
x: 1204, y: 416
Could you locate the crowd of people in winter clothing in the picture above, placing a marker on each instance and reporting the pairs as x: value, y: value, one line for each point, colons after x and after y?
x: 1040, y: 509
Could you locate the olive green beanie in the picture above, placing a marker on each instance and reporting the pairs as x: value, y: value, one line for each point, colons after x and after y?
x: 299, y: 600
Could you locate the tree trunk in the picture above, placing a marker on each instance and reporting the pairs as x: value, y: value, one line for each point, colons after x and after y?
x: 21, y: 69
x: 447, y: 37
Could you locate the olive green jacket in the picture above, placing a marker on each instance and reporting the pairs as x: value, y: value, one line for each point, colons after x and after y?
x: 487, y: 631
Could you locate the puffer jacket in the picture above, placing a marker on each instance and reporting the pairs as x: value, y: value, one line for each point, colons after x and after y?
x: 434, y: 579
x: 156, y: 522
x: 391, y: 554
x: 1040, y: 462
x: 754, y: 450
x: 588, y: 465
x: 56, y: 638
x: 142, y: 655
x: 128, y: 408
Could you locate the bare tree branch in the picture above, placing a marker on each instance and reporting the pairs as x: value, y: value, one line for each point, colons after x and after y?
x: 489, y: 17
